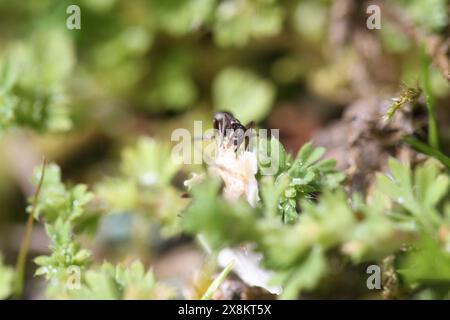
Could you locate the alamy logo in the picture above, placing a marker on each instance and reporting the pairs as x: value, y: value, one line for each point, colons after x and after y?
x: 73, y: 22
x: 374, y: 280
x: 191, y: 149
x: 374, y: 20
x: 73, y: 278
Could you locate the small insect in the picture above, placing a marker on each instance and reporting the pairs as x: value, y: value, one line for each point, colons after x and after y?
x: 231, y: 129
x: 408, y: 95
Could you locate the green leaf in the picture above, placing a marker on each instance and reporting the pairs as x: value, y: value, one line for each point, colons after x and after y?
x: 109, y: 282
x: 58, y: 201
x: 427, y: 263
x: 377, y: 234
x: 426, y: 149
x: 309, y: 176
x: 32, y: 82
x: 59, y: 207
x: 431, y: 186
x: 141, y: 284
x: 172, y: 85
x: 307, y: 276
x: 243, y: 93
x: 179, y: 17
x: 6, y: 280
x: 418, y: 193
x: 271, y: 156
x: 218, y: 219
x: 430, y: 15
x: 149, y: 163
x: 237, y: 21
x: 271, y: 190
x: 99, y: 286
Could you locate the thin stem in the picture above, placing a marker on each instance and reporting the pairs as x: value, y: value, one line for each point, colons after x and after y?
x: 426, y: 149
x: 21, y: 260
x: 217, y: 282
x: 433, y: 134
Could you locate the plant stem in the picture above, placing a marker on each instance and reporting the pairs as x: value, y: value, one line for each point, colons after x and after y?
x: 21, y: 260
x: 433, y: 134
x: 217, y: 282
x: 426, y: 149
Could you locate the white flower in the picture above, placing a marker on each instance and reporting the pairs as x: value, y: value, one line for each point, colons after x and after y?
x: 237, y: 170
x: 247, y: 267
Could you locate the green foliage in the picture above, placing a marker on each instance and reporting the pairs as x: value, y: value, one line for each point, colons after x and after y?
x: 57, y: 200
x: 326, y: 225
x: 428, y: 150
x: 113, y: 55
x: 418, y: 193
x: 224, y: 224
x: 428, y: 263
x: 419, y: 196
x: 308, y: 176
x: 433, y: 134
x: 430, y: 15
x: 112, y: 52
x: 149, y: 163
x: 32, y: 76
x: 408, y: 209
x: 6, y: 280
x: 179, y: 17
x: 245, y: 95
x: 109, y: 282
x: 310, y: 20
x: 237, y: 21
x: 65, y: 253
x: 285, y: 248
x: 216, y: 218
x: 59, y: 207
x: 306, y: 277
x: 271, y: 154
x: 144, y: 185
x: 377, y: 234
x: 129, y: 53
x: 393, y: 39
x: 173, y: 87
x: 132, y: 59
x: 365, y: 231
